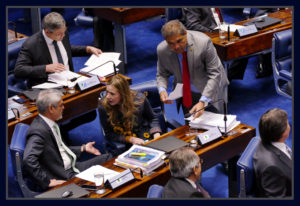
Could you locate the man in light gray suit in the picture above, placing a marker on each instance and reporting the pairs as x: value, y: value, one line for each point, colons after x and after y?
x: 207, y: 77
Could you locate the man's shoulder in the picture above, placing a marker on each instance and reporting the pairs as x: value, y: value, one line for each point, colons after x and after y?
x: 198, y: 35
x: 38, y: 126
x: 32, y: 40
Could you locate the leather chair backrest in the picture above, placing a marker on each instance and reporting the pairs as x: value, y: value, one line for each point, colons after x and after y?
x: 173, y: 13
x: 283, y: 49
x: 155, y: 191
x: 246, y: 162
x: 13, y: 50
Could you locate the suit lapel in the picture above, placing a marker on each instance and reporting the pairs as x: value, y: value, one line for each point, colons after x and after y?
x: 282, y: 157
x: 43, y: 47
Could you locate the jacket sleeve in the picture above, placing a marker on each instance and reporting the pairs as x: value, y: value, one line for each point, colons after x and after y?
x: 193, y: 20
x: 149, y: 114
x: 107, y: 128
x: 34, y: 148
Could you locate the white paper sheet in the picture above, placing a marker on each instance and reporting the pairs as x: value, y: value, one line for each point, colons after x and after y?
x: 88, y: 174
x: 47, y: 85
x: 233, y: 27
x: 177, y: 93
x: 63, y: 78
x: 102, y: 58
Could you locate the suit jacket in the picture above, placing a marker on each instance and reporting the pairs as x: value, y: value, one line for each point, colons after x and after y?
x: 146, y: 121
x: 35, y: 55
x: 273, y: 170
x: 199, y: 19
x: 180, y: 188
x: 42, y: 159
x: 205, y: 68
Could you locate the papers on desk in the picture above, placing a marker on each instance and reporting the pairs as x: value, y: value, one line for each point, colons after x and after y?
x: 233, y: 27
x: 177, y: 93
x: 209, y: 120
x: 88, y: 174
x: 63, y: 78
x: 101, y: 65
x: 47, y: 85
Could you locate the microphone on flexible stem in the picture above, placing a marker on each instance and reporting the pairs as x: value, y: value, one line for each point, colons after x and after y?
x: 15, y: 28
x: 187, y: 115
x: 115, y: 70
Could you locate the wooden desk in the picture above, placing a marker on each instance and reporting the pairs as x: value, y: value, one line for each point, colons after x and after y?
x: 75, y: 105
x: 11, y: 36
x: 253, y: 44
x: 212, y: 154
x: 121, y: 17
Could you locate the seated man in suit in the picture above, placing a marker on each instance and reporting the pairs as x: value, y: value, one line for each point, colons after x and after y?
x: 185, y: 168
x: 47, y: 160
x: 208, y: 20
x: 50, y: 51
x: 273, y: 158
x: 191, y: 58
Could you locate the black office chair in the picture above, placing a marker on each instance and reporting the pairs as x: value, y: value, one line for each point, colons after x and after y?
x: 282, y: 62
x: 173, y: 13
x: 245, y: 170
x: 151, y: 91
x: 17, y: 147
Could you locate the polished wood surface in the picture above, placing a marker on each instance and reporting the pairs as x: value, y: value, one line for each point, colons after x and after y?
x: 11, y: 36
x: 75, y: 104
x: 238, y: 47
x: 211, y: 154
x: 127, y: 15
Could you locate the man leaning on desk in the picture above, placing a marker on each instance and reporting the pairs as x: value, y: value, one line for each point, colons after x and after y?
x: 50, y: 51
x: 191, y: 58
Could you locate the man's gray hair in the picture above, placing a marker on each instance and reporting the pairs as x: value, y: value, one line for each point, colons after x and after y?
x: 182, y: 162
x: 53, y: 21
x: 46, y: 98
x: 173, y: 27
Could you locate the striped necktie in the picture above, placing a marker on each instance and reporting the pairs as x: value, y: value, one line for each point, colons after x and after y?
x: 70, y: 153
x: 58, y: 54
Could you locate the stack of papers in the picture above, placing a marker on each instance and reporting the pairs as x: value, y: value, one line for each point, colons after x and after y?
x: 101, y: 65
x: 64, y: 78
x: 209, y: 120
x: 137, y: 156
x: 88, y: 174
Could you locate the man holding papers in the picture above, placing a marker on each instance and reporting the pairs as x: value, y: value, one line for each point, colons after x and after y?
x: 48, y: 51
x: 192, y: 58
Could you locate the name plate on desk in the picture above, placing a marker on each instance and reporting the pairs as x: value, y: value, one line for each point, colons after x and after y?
x: 246, y: 31
x: 88, y: 83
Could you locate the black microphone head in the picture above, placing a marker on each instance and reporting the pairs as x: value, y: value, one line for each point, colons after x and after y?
x: 187, y: 115
x: 73, y: 79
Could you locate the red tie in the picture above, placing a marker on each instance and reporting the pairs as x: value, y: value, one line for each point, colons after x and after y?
x: 187, y: 94
x: 219, y: 14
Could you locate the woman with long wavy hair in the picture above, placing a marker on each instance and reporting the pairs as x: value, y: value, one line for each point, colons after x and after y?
x: 126, y: 115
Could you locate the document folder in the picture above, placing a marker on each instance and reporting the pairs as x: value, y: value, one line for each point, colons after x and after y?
x: 167, y: 144
x: 57, y: 193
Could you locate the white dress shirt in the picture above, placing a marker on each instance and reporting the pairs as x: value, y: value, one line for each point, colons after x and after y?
x: 66, y: 158
x: 53, y: 53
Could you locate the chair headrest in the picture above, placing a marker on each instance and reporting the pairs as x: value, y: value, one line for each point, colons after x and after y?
x: 283, y: 43
x: 18, y: 140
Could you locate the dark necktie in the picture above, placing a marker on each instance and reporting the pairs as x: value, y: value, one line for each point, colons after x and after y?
x: 187, y: 94
x: 58, y: 54
x: 219, y: 14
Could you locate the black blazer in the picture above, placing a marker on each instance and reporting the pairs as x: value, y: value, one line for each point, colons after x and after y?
x: 180, y: 188
x: 198, y: 19
x: 42, y: 159
x: 273, y: 171
x: 34, y: 56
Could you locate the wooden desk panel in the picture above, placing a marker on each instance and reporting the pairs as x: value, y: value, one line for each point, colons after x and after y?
x: 213, y: 153
x: 11, y: 36
x: 128, y: 15
x: 238, y: 47
x: 75, y: 105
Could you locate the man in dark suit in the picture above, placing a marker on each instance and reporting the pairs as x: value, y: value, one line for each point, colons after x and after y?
x: 185, y: 168
x: 47, y: 159
x: 208, y: 20
x: 273, y: 158
x: 39, y: 57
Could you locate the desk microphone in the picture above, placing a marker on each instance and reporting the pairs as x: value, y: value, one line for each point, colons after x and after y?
x: 115, y: 70
x: 187, y: 115
x: 15, y: 28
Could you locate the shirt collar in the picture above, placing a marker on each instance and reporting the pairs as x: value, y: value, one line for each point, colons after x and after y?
x: 191, y: 182
x: 50, y: 122
x: 281, y: 146
x: 48, y: 40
